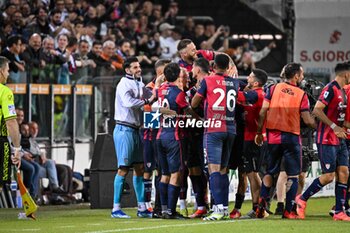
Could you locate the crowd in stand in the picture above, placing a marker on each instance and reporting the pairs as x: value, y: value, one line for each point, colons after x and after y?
x: 61, y: 41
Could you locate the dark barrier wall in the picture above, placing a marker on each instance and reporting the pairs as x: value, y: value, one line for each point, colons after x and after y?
x: 102, y: 172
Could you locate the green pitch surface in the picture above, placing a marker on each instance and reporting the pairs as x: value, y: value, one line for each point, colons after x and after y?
x: 79, y: 218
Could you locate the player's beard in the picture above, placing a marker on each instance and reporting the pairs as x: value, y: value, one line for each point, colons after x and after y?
x: 137, y: 75
x: 192, y: 58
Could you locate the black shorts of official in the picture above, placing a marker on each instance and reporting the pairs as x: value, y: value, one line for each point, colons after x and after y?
x: 252, y: 156
x: 236, y: 157
x: 5, y: 161
x: 195, y: 155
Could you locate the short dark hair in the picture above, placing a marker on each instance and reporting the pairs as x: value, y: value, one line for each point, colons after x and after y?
x: 260, y: 76
x: 341, y: 67
x: 161, y: 62
x: 183, y: 44
x: 13, y: 40
x: 122, y: 41
x: 222, y: 61
x: 291, y: 69
x: 203, y: 64
x: 128, y: 62
x: 172, y: 72
x: 72, y: 41
x: 55, y: 11
x: 96, y: 42
x: 3, y: 61
x: 83, y: 41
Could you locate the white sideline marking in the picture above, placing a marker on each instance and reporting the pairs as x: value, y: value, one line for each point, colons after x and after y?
x: 68, y: 226
x: 33, y: 229
x: 165, y: 226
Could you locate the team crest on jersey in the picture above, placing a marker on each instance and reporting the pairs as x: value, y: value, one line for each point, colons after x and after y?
x: 148, y: 165
x: 327, y: 165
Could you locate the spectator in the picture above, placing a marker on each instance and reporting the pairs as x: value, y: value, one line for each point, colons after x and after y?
x: 57, y: 26
x: 63, y: 72
x: 124, y: 48
x: 96, y: 51
x: 109, y: 62
x: 167, y: 44
x: 26, y: 12
x: 59, y: 4
x: 170, y: 15
x: 40, y: 24
x: 12, y: 52
x: 18, y: 23
x: 132, y: 30
x: 51, y: 60
x: 48, y: 166
x: 32, y: 57
x: 156, y: 18
x: 29, y: 167
x: 89, y: 33
x: 189, y: 27
x: 198, y: 36
x: 83, y: 63
x: 246, y: 65
x: 10, y: 9
x: 5, y: 32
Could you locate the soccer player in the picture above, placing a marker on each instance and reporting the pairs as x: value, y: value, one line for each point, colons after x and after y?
x: 284, y: 105
x: 188, y: 54
x: 334, y: 158
x: 347, y: 125
x: 195, y: 160
x: 219, y: 92
x: 252, y: 99
x: 131, y: 96
x: 9, y: 127
x: 150, y: 150
x: 169, y: 140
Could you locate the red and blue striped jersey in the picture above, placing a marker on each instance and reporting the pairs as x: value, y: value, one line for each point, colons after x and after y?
x: 172, y: 97
x: 220, y: 97
x: 207, y: 54
x: 334, y: 97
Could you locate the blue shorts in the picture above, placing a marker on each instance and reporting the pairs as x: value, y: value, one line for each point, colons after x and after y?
x: 333, y: 156
x: 128, y: 145
x: 149, y: 149
x: 217, y: 147
x: 292, y: 155
x: 169, y: 155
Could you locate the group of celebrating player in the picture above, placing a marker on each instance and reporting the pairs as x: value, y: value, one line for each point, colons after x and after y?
x: 209, y: 122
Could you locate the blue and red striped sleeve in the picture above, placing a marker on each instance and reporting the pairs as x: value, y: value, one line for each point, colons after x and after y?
x: 326, y: 95
x: 305, y: 104
x: 202, y: 91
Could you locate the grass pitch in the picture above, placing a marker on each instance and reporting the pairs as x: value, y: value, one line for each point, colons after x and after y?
x: 79, y: 218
